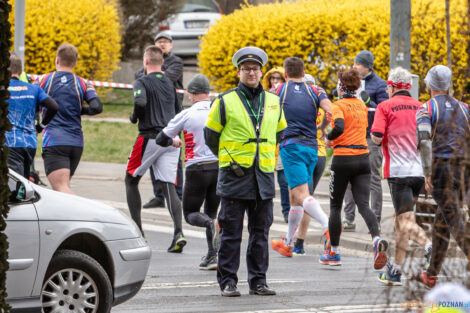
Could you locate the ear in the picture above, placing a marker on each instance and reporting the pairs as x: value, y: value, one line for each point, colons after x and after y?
x: 57, y: 61
x: 238, y: 73
x: 285, y: 76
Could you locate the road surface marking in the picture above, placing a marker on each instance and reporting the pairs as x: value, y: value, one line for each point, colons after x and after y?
x: 212, y: 283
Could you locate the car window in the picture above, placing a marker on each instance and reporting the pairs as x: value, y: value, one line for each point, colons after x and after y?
x: 199, y: 6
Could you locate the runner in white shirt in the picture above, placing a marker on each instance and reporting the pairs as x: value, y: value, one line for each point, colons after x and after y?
x: 395, y: 129
x: 201, y: 165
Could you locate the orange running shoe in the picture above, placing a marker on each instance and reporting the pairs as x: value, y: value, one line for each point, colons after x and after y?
x: 428, y: 280
x: 281, y: 247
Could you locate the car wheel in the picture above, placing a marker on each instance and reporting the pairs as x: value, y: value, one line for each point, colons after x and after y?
x: 75, y: 282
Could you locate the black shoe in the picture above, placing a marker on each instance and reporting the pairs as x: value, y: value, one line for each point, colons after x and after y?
x: 177, y: 244
x: 262, y: 290
x: 230, y: 291
x: 286, y: 218
x: 155, y: 203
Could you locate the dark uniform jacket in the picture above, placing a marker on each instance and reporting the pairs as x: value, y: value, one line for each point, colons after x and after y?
x: 377, y: 89
x: 173, y: 68
x: 255, y: 183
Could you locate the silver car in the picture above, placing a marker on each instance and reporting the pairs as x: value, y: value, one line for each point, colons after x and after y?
x: 189, y: 24
x: 70, y: 254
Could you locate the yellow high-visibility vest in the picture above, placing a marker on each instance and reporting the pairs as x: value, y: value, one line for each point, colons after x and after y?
x: 238, y: 139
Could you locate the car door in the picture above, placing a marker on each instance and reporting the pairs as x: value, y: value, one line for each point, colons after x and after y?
x: 22, y: 231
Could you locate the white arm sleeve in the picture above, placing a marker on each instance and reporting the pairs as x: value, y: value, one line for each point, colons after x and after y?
x: 177, y: 123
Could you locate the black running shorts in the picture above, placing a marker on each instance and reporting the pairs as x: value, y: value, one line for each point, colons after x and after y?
x: 59, y: 157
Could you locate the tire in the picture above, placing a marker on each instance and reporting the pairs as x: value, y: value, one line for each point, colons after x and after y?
x: 68, y: 271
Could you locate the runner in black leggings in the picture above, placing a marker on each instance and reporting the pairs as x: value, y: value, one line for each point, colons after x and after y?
x: 350, y: 165
x: 201, y: 166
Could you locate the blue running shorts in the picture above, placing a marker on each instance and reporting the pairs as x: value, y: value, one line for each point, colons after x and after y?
x: 299, y: 162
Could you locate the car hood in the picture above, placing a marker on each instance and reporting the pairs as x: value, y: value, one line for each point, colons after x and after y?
x: 58, y: 206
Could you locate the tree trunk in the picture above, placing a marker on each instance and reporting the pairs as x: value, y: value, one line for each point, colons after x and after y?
x: 5, y: 42
x: 449, y: 46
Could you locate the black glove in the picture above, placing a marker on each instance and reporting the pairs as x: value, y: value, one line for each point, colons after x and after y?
x: 39, y: 128
x: 365, y: 97
x: 133, y: 119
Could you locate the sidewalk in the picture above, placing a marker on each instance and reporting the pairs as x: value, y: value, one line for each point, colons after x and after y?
x: 358, y: 240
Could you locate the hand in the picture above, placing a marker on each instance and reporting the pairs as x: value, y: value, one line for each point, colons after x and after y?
x: 133, y: 119
x: 39, y: 128
x: 328, y: 143
x: 329, y: 116
x: 177, y: 143
x: 323, y: 134
x: 365, y: 97
x: 428, y: 184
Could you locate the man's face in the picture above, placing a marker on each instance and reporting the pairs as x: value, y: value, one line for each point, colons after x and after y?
x: 363, y: 71
x: 165, y: 44
x: 250, y: 73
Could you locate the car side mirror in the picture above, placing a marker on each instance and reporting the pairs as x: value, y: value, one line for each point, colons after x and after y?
x: 22, y: 193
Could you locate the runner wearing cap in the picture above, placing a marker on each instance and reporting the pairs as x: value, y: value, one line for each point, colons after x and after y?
x: 242, y: 129
x: 395, y: 129
x: 201, y: 165
x: 443, y: 141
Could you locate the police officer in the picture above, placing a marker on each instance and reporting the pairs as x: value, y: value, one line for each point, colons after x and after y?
x: 242, y: 128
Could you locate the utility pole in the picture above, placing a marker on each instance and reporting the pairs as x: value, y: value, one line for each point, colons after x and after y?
x: 400, y: 33
x: 400, y: 39
x: 19, y: 29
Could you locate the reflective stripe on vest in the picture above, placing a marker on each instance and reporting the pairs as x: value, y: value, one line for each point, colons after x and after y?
x: 239, y: 129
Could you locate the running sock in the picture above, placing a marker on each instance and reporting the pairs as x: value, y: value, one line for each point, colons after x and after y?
x: 428, y: 247
x: 174, y: 205
x: 299, y: 243
x: 396, y: 269
x: 295, y: 216
x: 335, y: 249
x: 375, y: 238
x: 312, y: 207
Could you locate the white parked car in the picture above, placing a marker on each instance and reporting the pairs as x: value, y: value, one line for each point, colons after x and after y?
x: 70, y: 254
x: 189, y: 24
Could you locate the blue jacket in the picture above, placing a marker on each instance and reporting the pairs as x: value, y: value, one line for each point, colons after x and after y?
x: 376, y: 87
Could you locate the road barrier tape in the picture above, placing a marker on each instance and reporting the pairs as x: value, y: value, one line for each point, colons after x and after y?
x: 114, y: 85
x: 97, y: 83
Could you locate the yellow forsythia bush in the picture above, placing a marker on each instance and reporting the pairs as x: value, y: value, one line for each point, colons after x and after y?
x: 328, y: 34
x: 90, y: 25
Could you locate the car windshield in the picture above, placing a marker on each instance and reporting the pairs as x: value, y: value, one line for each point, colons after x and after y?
x: 199, y: 6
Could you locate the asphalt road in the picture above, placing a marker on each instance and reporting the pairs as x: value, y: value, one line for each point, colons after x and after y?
x: 175, y: 284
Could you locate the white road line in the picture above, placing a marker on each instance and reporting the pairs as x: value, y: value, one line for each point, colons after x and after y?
x: 338, y: 309
x: 152, y: 286
x: 170, y: 230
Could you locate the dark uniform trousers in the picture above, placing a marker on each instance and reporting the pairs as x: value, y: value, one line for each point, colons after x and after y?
x: 260, y: 218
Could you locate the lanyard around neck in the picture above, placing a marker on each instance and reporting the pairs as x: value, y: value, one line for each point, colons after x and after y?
x: 251, y: 108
